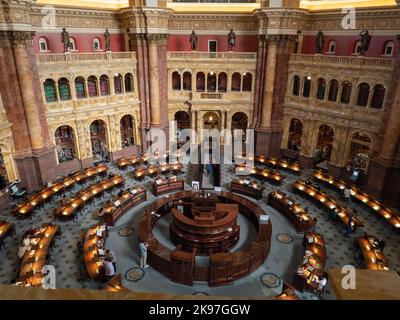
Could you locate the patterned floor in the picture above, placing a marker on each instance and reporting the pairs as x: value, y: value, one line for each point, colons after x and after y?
x: 286, y: 249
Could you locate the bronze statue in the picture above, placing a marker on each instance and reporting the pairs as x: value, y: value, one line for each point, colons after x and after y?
x: 107, y: 37
x: 231, y: 40
x: 365, y: 41
x: 65, y: 40
x: 193, y: 40
x: 319, y: 42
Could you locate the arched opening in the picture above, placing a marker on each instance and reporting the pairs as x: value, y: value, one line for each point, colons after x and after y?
x: 43, y: 45
x: 127, y: 128
x: 324, y: 144
x: 360, y: 148
x: 321, y: 89
x: 247, y: 79
x: 211, y: 120
x: 80, y: 87
x: 92, y: 86
x: 200, y: 82
x: 64, y: 89
x: 388, y: 49
x: 333, y: 90
x: 129, y: 82
x: 296, y: 85
x: 96, y: 44
x: 104, y: 85
x: 72, y: 44
x: 50, y: 90
x: 187, y: 81
x: 378, y: 96
x: 332, y: 47
x: 65, y: 143
x: 118, y: 83
x: 222, y: 82
x: 236, y: 81
x: 295, y: 135
x: 176, y: 81
x: 239, y: 122
x: 182, y: 119
x: 3, y: 172
x: 307, y: 87
x: 346, y: 92
x: 98, y: 137
x: 363, y: 94
x: 211, y: 82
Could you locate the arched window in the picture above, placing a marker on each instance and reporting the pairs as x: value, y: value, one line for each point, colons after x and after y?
x: 63, y: 89
x: 321, y: 89
x: 182, y: 119
x: 333, y: 90
x: 92, y: 86
x: 346, y: 92
x: 363, y: 94
x: 65, y: 143
x: 80, y: 87
x: 127, y: 131
x: 50, y: 90
x: 296, y: 85
x: 247, y: 79
x: 357, y: 47
x: 222, y: 82
x: 98, y: 137
x: 118, y: 83
x: 388, y: 49
x: 43, y: 45
x: 129, y: 82
x: 236, y: 81
x: 324, y: 145
x: 200, y: 81
x: 176, y: 81
x: 378, y: 96
x: 187, y: 81
x: 295, y: 135
x: 307, y: 87
x: 239, y: 122
x: 104, y: 85
x: 96, y: 44
x: 211, y: 82
x: 72, y: 44
x: 360, y: 149
x: 332, y: 47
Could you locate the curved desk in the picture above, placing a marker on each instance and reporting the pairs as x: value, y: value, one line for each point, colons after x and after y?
x: 224, y: 268
x: 6, y: 229
x: 264, y: 174
x: 373, y: 257
x: 252, y: 189
x: 46, y: 194
x: 153, y: 170
x: 84, y: 196
x: 326, y: 201
x: 93, y: 249
x: 377, y: 207
x: 275, y: 163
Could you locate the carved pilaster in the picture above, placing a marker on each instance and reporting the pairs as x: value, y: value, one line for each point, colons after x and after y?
x: 157, y: 39
x: 16, y: 39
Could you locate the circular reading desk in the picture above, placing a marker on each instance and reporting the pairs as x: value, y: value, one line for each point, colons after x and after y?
x: 224, y: 267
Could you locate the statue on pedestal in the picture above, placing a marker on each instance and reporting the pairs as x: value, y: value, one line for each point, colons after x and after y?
x: 365, y: 41
x: 65, y: 40
x: 231, y: 40
x: 107, y: 37
x: 319, y: 42
x: 193, y: 40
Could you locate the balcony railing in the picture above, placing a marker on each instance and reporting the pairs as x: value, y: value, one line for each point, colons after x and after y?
x: 356, y: 61
x: 194, y: 55
x: 91, y: 56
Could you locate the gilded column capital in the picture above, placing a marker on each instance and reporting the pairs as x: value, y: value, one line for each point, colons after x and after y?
x: 16, y: 39
x: 157, y: 39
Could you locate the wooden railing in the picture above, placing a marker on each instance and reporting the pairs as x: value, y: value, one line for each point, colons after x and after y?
x: 356, y: 61
x: 211, y: 96
x: 194, y: 55
x: 90, y: 56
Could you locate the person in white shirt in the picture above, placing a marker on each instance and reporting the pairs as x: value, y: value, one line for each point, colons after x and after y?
x: 111, y: 256
x: 109, y: 270
x: 347, y: 194
x: 323, y: 280
x: 143, y: 254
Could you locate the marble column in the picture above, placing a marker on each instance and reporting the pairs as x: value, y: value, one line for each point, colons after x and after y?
x: 154, y: 81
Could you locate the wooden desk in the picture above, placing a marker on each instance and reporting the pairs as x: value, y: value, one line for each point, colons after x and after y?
x: 36, y: 258
x: 26, y: 208
x: 288, y: 293
x: 94, y: 241
x: 115, y: 284
x: 244, y: 261
x: 84, y: 196
x: 167, y: 185
x: 326, y: 202
x: 301, y: 219
x: 268, y: 175
x: 6, y: 229
x: 129, y: 199
x: 123, y: 163
x: 313, y: 264
x: 154, y: 170
x: 275, y: 163
x: 378, y: 208
x: 245, y: 187
x: 373, y: 257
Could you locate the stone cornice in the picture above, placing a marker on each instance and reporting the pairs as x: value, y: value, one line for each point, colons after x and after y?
x: 16, y: 39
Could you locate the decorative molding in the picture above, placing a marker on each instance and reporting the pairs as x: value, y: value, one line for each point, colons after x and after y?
x: 16, y: 39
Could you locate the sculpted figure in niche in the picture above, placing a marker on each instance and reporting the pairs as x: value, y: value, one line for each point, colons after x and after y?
x: 65, y: 40
x: 231, y: 40
x: 193, y: 40
x: 365, y: 41
x: 319, y: 42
